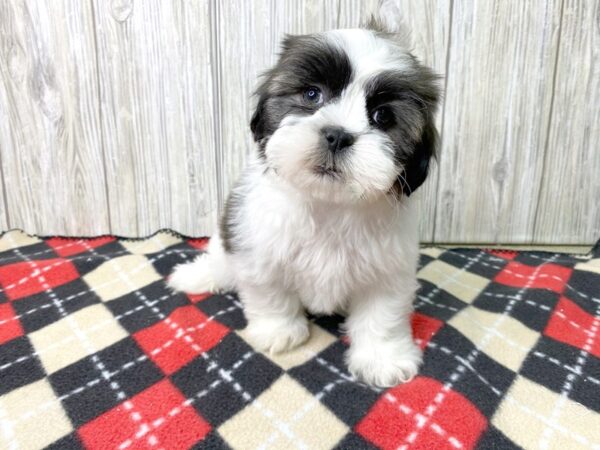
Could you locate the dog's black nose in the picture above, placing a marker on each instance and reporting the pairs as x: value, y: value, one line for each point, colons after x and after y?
x: 337, y: 138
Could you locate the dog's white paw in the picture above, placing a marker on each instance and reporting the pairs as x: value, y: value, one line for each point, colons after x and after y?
x: 276, y: 335
x: 384, y: 364
x: 194, y: 277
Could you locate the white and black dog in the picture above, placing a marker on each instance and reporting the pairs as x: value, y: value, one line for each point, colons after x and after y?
x: 322, y: 219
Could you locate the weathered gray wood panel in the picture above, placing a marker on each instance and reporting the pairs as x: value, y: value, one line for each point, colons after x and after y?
x: 352, y: 13
x: 499, y: 91
x: 4, y: 131
x: 242, y: 47
x: 248, y: 36
x: 429, y: 22
x: 129, y: 116
x: 157, y: 92
x: 569, y: 208
x: 50, y: 141
x: 4, y: 224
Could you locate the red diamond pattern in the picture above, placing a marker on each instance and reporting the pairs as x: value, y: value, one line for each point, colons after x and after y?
x: 24, y: 278
x: 572, y: 325
x: 10, y: 327
x: 548, y: 276
x: 158, y: 416
x: 400, y: 417
x: 424, y: 328
x: 176, y: 340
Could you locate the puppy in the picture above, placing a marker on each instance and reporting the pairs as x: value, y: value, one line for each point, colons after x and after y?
x: 323, y: 218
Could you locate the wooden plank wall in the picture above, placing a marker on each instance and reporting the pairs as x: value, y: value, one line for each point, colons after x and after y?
x: 571, y: 182
x: 51, y: 144
x: 128, y: 116
x: 498, y: 95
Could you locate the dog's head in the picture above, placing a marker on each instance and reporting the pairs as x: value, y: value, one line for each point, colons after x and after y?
x: 347, y: 115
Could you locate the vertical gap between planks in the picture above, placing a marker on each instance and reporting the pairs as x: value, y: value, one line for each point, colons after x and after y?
x: 549, y: 125
x: 441, y: 154
x: 101, y: 119
x: 2, y: 178
x: 273, y: 15
x: 215, y: 63
x: 4, y: 196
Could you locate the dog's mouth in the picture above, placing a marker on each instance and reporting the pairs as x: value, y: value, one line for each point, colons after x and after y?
x: 328, y: 171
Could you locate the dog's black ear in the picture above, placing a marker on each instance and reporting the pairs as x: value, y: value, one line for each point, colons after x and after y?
x: 257, y: 123
x: 416, y: 167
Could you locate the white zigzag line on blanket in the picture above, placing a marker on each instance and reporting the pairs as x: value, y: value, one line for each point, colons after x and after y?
x: 126, y: 366
x: 61, y: 261
x: 543, y: 275
x: 128, y: 405
x: 490, y: 294
x: 226, y: 376
x: 408, y: 411
x: 42, y: 252
x: 282, y: 426
x: 99, y: 325
x: 569, y: 381
x: 85, y: 342
x: 96, y: 327
x: 507, y: 396
x: 473, y: 355
x: 37, y: 272
x: 146, y: 263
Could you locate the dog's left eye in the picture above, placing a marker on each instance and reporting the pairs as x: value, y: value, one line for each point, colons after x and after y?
x: 313, y: 95
x: 382, y: 117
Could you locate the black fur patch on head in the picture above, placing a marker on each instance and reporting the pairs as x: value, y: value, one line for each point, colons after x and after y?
x: 410, y: 98
x: 305, y: 61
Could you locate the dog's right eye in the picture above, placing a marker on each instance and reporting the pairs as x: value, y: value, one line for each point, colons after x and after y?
x: 313, y: 95
x: 382, y: 117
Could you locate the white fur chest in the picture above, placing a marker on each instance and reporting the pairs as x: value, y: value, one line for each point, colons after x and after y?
x: 321, y: 252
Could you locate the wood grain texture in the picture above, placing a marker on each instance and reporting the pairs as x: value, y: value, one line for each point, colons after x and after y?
x: 429, y: 25
x: 248, y: 36
x: 4, y: 131
x: 569, y: 208
x: 50, y: 140
x: 4, y: 222
x: 498, y: 97
x: 242, y: 48
x: 128, y: 116
x: 156, y: 91
x: 352, y: 13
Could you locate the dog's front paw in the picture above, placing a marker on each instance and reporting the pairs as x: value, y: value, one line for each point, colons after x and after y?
x: 384, y: 364
x: 276, y: 335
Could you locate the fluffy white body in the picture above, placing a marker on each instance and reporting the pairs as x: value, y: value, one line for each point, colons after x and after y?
x: 317, y: 221
x: 303, y: 254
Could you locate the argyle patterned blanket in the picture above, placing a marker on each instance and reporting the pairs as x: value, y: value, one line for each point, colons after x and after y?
x: 96, y: 352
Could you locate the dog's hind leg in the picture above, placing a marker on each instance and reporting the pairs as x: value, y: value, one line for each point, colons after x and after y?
x: 209, y: 272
